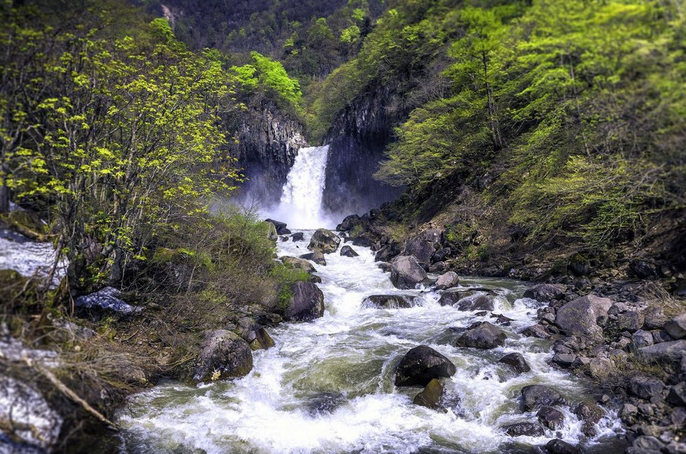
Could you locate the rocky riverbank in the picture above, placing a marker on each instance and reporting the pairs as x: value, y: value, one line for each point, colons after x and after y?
x: 626, y: 334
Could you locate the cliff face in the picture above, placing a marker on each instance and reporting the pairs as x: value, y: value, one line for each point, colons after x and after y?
x: 356, y: 141
x: 268, y: 141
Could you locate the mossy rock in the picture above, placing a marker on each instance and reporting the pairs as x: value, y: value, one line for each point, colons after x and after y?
x: 27, y: 223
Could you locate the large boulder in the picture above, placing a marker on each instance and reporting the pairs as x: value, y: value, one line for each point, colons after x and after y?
x: 558, y: 446
x: 298, y: 264
x: 664, y: 351
x: 447, y: 280
x: 431, y: 396
x: 281, y: 227
x: 316, y: 257
x: 581, y: 317
x: 536, y: 396
x: 349, y: 223
x: 676, y: 327
x: 545, y: 293
x: 306, y: 304
x: 516, y: 361
x: 482, y: 335
x: 347, y: 251
x: 406, y: 272
x: 324, y: 241
x: 390, y: 301
x: 421, y: 365
x: 297, y: 236
x: 476, y: 302
x: 224, y: 355
x: 106, y: 300
x: 645, y: 387
x: 423, y: 246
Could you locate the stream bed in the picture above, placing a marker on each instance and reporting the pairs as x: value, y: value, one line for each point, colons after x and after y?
x: 328, y: 386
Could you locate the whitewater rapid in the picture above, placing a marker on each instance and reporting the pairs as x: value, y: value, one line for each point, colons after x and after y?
x: 327, y: 386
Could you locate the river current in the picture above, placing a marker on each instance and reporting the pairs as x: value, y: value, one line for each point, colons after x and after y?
x: 327, y: 386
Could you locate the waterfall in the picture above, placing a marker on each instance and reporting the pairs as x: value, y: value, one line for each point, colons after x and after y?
x: 301, y: 200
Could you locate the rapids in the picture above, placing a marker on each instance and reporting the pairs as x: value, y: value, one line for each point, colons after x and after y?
x: 327, y: 386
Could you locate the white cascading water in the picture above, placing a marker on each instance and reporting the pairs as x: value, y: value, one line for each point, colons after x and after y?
x: 301, y: 200
x: 328, y: 386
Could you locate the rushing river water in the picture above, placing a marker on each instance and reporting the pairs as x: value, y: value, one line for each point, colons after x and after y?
x: 327, y: 386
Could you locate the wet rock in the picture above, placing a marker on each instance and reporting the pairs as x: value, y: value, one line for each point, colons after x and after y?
x: 349, y: 223
x: 537, y: 331
x: 516, y: 361
x: 423, y: 246
x: 558, y: 446
x: 385, y: 266
x: 645, y: 387
x: 347, y: 251
x: 298, y: 264
x: 476, y: 302
x: 589, y: 413
x: 281, y: 227
x: 521, y: 429
x: 314, y: 279
x: 406, y: 272
x: 482, y: 335
x: 630, y: 321
x: 224, y: 355
x: 665, y: 351
x: 564, y: 360
x: 431, y: 396
x: 262, y: 340
x: 581, y: 316
x: 676, y: 327
x: 421, y: 365
x: 646, y: 445
x: 307, y: 303
x: 26, y: 418
x: 501, y: 319
x: 545, y: 293
x: 390, y: 301
x: 104, y: 301
x: 641, y: 339
x: 550, y: 417
x: 388, y: 252
x: 298, y: 236
x: 677, y: 395
x: 438, y: 267
x: 325, y: 403
x: 536, y: 396
x: 628, y: 413
x: 316, y: 257
x: 324, y: 241
x: 447, y: 280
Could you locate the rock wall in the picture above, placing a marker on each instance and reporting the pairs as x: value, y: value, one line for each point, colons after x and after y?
x: 357, y: 140
x: 267, y: 142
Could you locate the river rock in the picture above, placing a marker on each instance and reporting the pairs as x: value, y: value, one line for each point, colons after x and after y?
x: 524, y: 429
x: 406, y: 272
x: 654, y: 318
x: 677, y: 395
x: 475, y: 302
x: 105, y: 300
x: 324, y: 241
x: 564, y: 360
x: 421, y: 365
x: 641, y: 339
x: 281, y: 227
x: 676, y: 327
x: 385, y: 267
x: 482, y: 335
x: 224, y: 355
x: 27, y: 420
x: 307, y: 303
x: 589, y: 413
x: 645, y: 387
x: 545, y: 293
x: 516, y: 361
x: 262, y: 340
x: 347, y: 251
x: 537, y: 331
x: 431, y: 396
x: 423, y: 246
x: 447, y: 280
x: 665, y: 351
x: 390, y: 301
x: 581, y: 316
x: 550, y: 417
x: 298, y: 236
x: 536, y: 396
x: 316, y: 257
x: 630, y: 321
x: 298, y: 264
x: 557, y: 446
x: 349, y: 223
x: 325, y: 403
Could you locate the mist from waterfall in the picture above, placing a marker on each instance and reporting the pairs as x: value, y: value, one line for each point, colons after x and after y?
x: 301, y: 199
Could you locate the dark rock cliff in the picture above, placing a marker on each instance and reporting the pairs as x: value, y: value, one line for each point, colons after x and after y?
x: 357, y: 141
x: 267, y: 142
